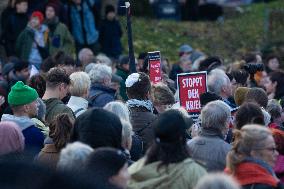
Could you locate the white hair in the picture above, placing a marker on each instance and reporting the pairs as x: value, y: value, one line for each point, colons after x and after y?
x: 217, y: 79
x: 73, y: 156
x: 215, y: 114
x: 89, y: 67
x: 99, y: 73
x: 103, y: 59
x: 126, y: 135
x: 80, y: 83
x: 119, y: 109
x: 217, y: 181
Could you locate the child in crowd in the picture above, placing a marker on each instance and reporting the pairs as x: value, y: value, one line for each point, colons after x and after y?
x: 110, y: 34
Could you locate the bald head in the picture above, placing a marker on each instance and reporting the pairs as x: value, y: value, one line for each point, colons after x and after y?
x: 86, y: 56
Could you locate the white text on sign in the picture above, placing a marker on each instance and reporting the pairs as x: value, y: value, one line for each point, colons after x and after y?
x: 192, y: 82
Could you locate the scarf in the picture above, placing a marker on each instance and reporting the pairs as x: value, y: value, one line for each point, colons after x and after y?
x: 140, y: 103
x: 253, y: 171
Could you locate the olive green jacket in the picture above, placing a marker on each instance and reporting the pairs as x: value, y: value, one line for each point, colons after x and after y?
x: 178, y: 175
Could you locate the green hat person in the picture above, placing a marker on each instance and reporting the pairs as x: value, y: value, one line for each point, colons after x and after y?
x: 23, y: 98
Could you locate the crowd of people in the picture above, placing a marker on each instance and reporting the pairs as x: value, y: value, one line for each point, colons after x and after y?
x: 73, y: 118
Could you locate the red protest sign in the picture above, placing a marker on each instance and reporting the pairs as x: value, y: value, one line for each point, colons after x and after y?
x: 190, y: 87
x: 154, y: 62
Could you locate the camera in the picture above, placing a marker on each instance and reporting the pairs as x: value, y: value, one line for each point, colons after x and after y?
x: 252, y: 68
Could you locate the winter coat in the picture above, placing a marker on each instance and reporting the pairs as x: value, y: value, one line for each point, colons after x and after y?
x: 59, y: 38
x: 279, y: 168
x: 184, y: 174
x: 78, y: 105
x: 83, y: 26
x: 122, y: 89
x: 48, y: 156
x: 136, y: 151
x: 209, y: 142
x: 12, y: 25
x: 26, y: 48
x: 34, y: 138
x: 100, y: 95
x: 110, y: 34
x: 141, y: 120
x: 55, y: 107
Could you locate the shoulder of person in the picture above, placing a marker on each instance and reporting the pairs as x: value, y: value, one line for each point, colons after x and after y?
x: 262, y: 186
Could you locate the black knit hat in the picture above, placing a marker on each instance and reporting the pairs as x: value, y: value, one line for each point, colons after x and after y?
x: 98, y: 128
x: 170, y: 126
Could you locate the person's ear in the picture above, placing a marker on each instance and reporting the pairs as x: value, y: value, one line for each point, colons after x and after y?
x: 62, y: 86
x: 26, y: 108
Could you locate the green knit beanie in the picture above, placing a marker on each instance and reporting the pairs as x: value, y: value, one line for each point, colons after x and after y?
x: 21, y: 94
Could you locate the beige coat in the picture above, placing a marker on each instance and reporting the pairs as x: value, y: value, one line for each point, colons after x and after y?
x: 48, y: 156
x: 180, y: 175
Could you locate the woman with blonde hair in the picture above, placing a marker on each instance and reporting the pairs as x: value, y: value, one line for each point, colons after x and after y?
x: 79, y: 89
x: 252, y: 158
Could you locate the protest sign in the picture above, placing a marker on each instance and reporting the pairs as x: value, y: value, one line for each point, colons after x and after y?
x: 190, y: 87
x: 154, y: 63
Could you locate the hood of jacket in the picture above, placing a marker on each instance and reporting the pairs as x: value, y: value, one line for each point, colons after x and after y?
x: 175, y: 176
x: 23, y: 122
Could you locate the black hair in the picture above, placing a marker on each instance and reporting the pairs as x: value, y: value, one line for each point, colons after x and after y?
x: 47, y: 64
x: 210, y: 63
x: 26, y: 172
x: 170, y: 139
x: 61, y: 58
x: 207, y: 97
x: 140, y: 89
x: 38, y: 83
x: 105, y: 162
x: 142, y: 55
x: 278, y: 76
x: 109, y: 8
x: 20, y: 65
x: 249, y: 113
x: 241, y: 76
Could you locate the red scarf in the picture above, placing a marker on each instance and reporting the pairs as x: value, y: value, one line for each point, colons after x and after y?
x: 251, y: 173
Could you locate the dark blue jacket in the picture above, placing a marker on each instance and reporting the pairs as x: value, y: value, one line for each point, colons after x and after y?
x: 100, y: 95
x: 34, y: 138
x: 110, y: 34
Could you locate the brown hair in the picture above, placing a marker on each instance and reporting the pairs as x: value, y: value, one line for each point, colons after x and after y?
x: 55, y: 76
x: 257, y: 95
x: 162, y: 95
x: 61, y: 130
x: 249, y: 113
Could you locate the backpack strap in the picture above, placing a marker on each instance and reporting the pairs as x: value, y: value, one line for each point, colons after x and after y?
x: 77, y: 111
x: 95, y: 96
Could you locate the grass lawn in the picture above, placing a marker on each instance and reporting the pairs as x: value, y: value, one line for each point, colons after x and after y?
x: 235, y: 35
